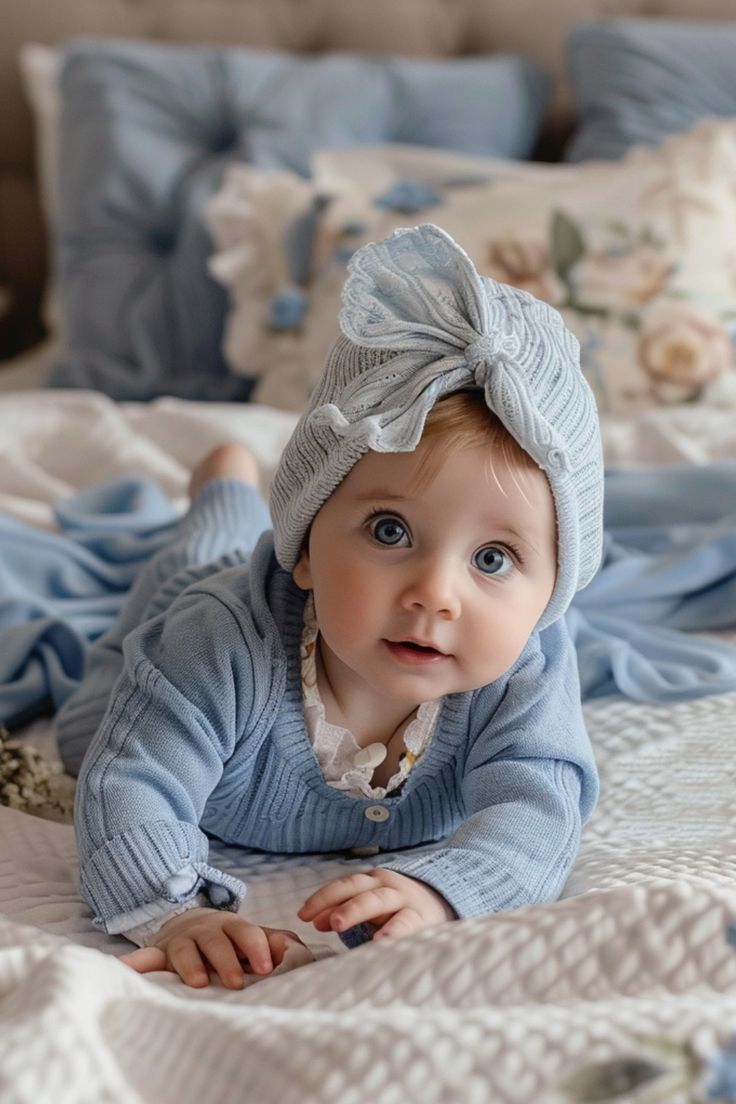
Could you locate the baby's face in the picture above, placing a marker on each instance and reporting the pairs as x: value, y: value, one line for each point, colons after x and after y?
x: 422, y: 591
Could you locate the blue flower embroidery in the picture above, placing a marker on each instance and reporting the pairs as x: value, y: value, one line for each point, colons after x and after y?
x: 353, y: 228
x: 287, y: 308
x: 408, y: 196
x: 343, y: 254
x: 723, y: 1069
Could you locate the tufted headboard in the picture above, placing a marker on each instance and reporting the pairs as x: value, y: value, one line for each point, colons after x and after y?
x: 439, y: 28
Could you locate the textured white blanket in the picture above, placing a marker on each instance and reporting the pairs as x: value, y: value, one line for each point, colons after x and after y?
x: 628, y: 981
x: 634, y: 975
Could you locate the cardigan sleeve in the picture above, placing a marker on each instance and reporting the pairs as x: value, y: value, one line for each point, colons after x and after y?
x: 529, y: 783
x: 187, y: 694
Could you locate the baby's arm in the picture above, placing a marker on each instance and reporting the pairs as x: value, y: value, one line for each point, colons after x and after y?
x: 529, y: 782
x: 184, y: 699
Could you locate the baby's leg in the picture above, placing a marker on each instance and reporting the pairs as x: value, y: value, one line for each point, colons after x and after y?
x: 225, y: 518
x: 229, y: 461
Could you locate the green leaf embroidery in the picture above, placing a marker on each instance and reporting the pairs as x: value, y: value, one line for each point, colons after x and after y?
x: 611, y: 1080
x: 567, y: 244
x: 619, y: 228
x: 648, y: 237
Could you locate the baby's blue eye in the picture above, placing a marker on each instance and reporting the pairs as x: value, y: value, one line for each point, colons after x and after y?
x: 490, y: 560
x: 388, y: 530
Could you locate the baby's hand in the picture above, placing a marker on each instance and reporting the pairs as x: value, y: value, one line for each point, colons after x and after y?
x: 203, y: 937
x: 397, y: 904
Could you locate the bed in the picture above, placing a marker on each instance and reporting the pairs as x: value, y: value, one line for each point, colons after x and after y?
x: 625, y: 989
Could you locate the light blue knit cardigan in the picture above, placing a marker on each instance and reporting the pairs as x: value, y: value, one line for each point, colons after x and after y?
x: 206, y: 735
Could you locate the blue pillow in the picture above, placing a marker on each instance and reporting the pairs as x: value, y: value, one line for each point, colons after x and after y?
x: 146, y: 132
x: 639, y: 80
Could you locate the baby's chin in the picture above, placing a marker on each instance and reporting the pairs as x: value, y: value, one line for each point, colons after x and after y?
x: 416, y: 691
x: 477, y: 681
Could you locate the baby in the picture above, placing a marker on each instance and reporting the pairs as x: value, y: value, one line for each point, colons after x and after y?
x: 387, y: 667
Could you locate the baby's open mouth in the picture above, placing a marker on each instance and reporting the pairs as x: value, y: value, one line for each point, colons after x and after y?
x: 411, y: 652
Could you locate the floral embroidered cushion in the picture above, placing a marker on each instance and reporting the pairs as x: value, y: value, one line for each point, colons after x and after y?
x: 638, y: 254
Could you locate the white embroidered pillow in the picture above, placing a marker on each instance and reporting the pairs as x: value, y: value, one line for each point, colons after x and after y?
x: 639, y: 255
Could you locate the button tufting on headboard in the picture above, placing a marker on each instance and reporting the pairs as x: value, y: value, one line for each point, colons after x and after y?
x: 161, y: 241
x: 223, y: 139
x: 146, y: 132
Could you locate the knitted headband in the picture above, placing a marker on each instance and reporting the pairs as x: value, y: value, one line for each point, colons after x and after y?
x: 418, y: 323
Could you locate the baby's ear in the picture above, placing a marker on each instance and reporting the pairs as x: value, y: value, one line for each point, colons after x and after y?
x: 302, y: 573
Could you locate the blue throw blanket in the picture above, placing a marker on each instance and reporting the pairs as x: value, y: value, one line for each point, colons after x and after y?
x: 669, y: 571
x: 60, y: 591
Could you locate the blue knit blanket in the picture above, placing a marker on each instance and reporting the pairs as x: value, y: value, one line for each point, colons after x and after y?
x: 669, y: 573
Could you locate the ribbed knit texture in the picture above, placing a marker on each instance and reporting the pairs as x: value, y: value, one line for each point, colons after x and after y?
x: 206, y: 736
x: 418, y: 323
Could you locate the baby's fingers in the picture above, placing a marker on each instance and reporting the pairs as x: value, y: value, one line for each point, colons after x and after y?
x: 376, y: 904
x: 404, y: 922
x: 334, y: 893
x: 187, y: 962
x: 322, y: 922
x: 252, y: 944
x: 146, y: 960
x: 279, y: 940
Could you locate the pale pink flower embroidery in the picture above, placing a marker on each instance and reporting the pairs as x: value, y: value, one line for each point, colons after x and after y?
x: 682, y: 349
x: 526, y: 265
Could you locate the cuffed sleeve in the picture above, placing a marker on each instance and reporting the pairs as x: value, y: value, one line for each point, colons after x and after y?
x: 113, y: 878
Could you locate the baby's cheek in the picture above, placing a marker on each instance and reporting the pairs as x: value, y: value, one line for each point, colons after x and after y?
x: 357, y: 613
x: 348, y: 605
x: 501, y: 645
x: 357, y: 590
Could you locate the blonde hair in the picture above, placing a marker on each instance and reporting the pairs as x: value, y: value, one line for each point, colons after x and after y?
x: 463, y: 421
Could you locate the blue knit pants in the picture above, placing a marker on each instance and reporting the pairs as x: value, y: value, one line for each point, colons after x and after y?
x: 220, y: 529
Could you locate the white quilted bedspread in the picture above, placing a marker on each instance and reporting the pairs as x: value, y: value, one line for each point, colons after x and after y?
x: 630, y: 980
x: 635, y: 962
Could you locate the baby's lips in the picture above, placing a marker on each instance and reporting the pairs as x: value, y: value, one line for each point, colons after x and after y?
x: 420, y: 645
x: 414, y: 653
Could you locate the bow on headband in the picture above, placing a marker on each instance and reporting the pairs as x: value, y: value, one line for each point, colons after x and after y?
x: 418, y: 293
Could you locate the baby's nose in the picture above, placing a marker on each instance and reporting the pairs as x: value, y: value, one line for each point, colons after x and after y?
x: 433, y: 588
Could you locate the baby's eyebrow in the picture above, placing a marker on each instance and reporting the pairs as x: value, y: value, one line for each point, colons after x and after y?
x: 383, y: 495
x: 522, y: 538
x: 508, y: 530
